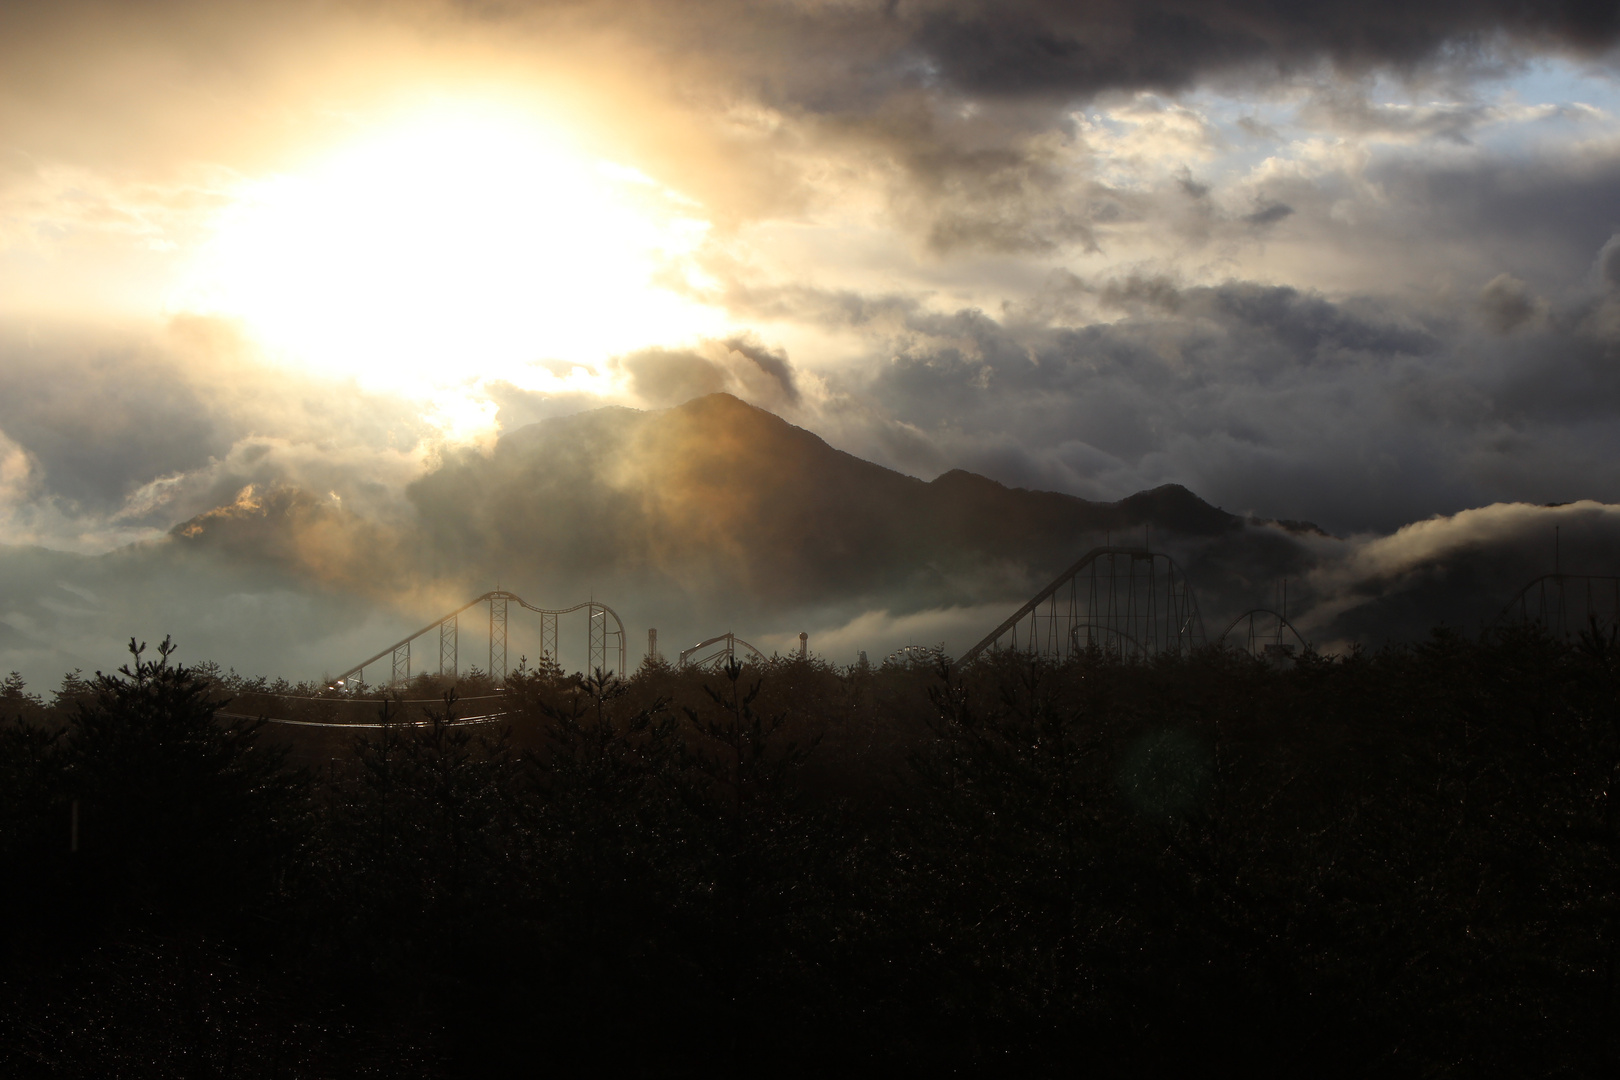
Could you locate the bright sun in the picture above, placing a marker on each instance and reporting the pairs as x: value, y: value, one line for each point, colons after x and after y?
x: 465, y: 243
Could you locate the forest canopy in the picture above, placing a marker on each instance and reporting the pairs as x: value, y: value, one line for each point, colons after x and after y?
x: 1401, y: 862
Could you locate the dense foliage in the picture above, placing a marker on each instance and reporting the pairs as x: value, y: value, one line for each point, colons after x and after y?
x: 1401, y: 863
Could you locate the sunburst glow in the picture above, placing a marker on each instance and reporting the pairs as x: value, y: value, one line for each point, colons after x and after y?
x: 466, y: 243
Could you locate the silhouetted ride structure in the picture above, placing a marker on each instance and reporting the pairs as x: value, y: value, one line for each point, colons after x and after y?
x: 717, y: 651
x: 1565, y: 604
x: 1129, y: 601
x: 601, y: 654
x: 1264, y: 634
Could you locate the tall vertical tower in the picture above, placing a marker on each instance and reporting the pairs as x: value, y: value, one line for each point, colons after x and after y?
x: 497, y: 639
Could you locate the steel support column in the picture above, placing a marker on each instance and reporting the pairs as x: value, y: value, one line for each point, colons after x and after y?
x: 598, y: 639
x: 548, y: 638
x: 449, y: 647
x: 497, y: 640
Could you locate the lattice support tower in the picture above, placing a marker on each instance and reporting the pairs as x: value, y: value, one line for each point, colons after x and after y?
x: 548, y: 638
x: 497, y: 639
x: 449, y: 647
x: 598, y: 639
x: 402, y: 664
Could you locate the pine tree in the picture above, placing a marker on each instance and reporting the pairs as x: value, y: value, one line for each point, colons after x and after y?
x: 182, y: 811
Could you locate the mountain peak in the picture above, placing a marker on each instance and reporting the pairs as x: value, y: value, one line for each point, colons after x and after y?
x: 1172, y: 506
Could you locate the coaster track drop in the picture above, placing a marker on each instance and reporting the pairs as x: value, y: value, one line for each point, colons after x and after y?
x: 1127, y: 600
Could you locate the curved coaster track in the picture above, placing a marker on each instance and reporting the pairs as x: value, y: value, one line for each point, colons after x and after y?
x: 717, y: 651
x: 601, y: 654
x: 1126, y: 600
x: 1264, y: 634
x: 1566, y: 604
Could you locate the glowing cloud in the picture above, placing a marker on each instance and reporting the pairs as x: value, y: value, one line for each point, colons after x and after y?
x: 468, y: 242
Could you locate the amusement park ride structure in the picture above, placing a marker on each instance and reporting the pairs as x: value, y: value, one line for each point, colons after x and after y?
x: 718, y: 651
x: 1130, y: 601
x: 1127, y: 600
x: 1566, y: 604
x: 1265, y: 634
x: 601, y: 655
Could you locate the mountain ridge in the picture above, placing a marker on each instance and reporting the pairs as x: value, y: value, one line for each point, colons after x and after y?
x: 713, y: 492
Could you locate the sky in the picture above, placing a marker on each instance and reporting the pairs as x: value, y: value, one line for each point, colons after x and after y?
x: 1353, y: 264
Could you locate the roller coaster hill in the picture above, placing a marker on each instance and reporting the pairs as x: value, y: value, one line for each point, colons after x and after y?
x: 470, y: 650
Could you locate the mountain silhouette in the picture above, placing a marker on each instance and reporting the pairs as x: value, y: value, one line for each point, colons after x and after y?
x: 719, y: 494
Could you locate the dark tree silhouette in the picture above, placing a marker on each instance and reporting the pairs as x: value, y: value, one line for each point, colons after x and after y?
x: 182, y: 813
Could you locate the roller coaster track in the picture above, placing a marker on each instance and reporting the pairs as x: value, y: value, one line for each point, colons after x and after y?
x: 1127, y: 600
x: 1565, y: 603
x: 729, y: 645
x: 449, y: 627
x: 1258, y: 639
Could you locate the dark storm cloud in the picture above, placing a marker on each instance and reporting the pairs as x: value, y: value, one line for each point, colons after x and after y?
x: 1507, y: 304
x: 969, y: 102
x: 1046, y: 46
x: 1542, y: 214
x: 1354, y: 414
x: 1021, y: 48
x: 772, y: 363
x: 829, y: 57
x: 1608, y: 263
x: 137, y: 429
x: 740, y: 365
x: 102, y: 418
x: 1479, y: 363
x: 1479, y: 359
x: 1269, y: 214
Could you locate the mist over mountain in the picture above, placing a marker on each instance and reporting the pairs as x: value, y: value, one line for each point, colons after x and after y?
x: 716, y: 515
x: 717, y: 495
x: 719, y: 515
